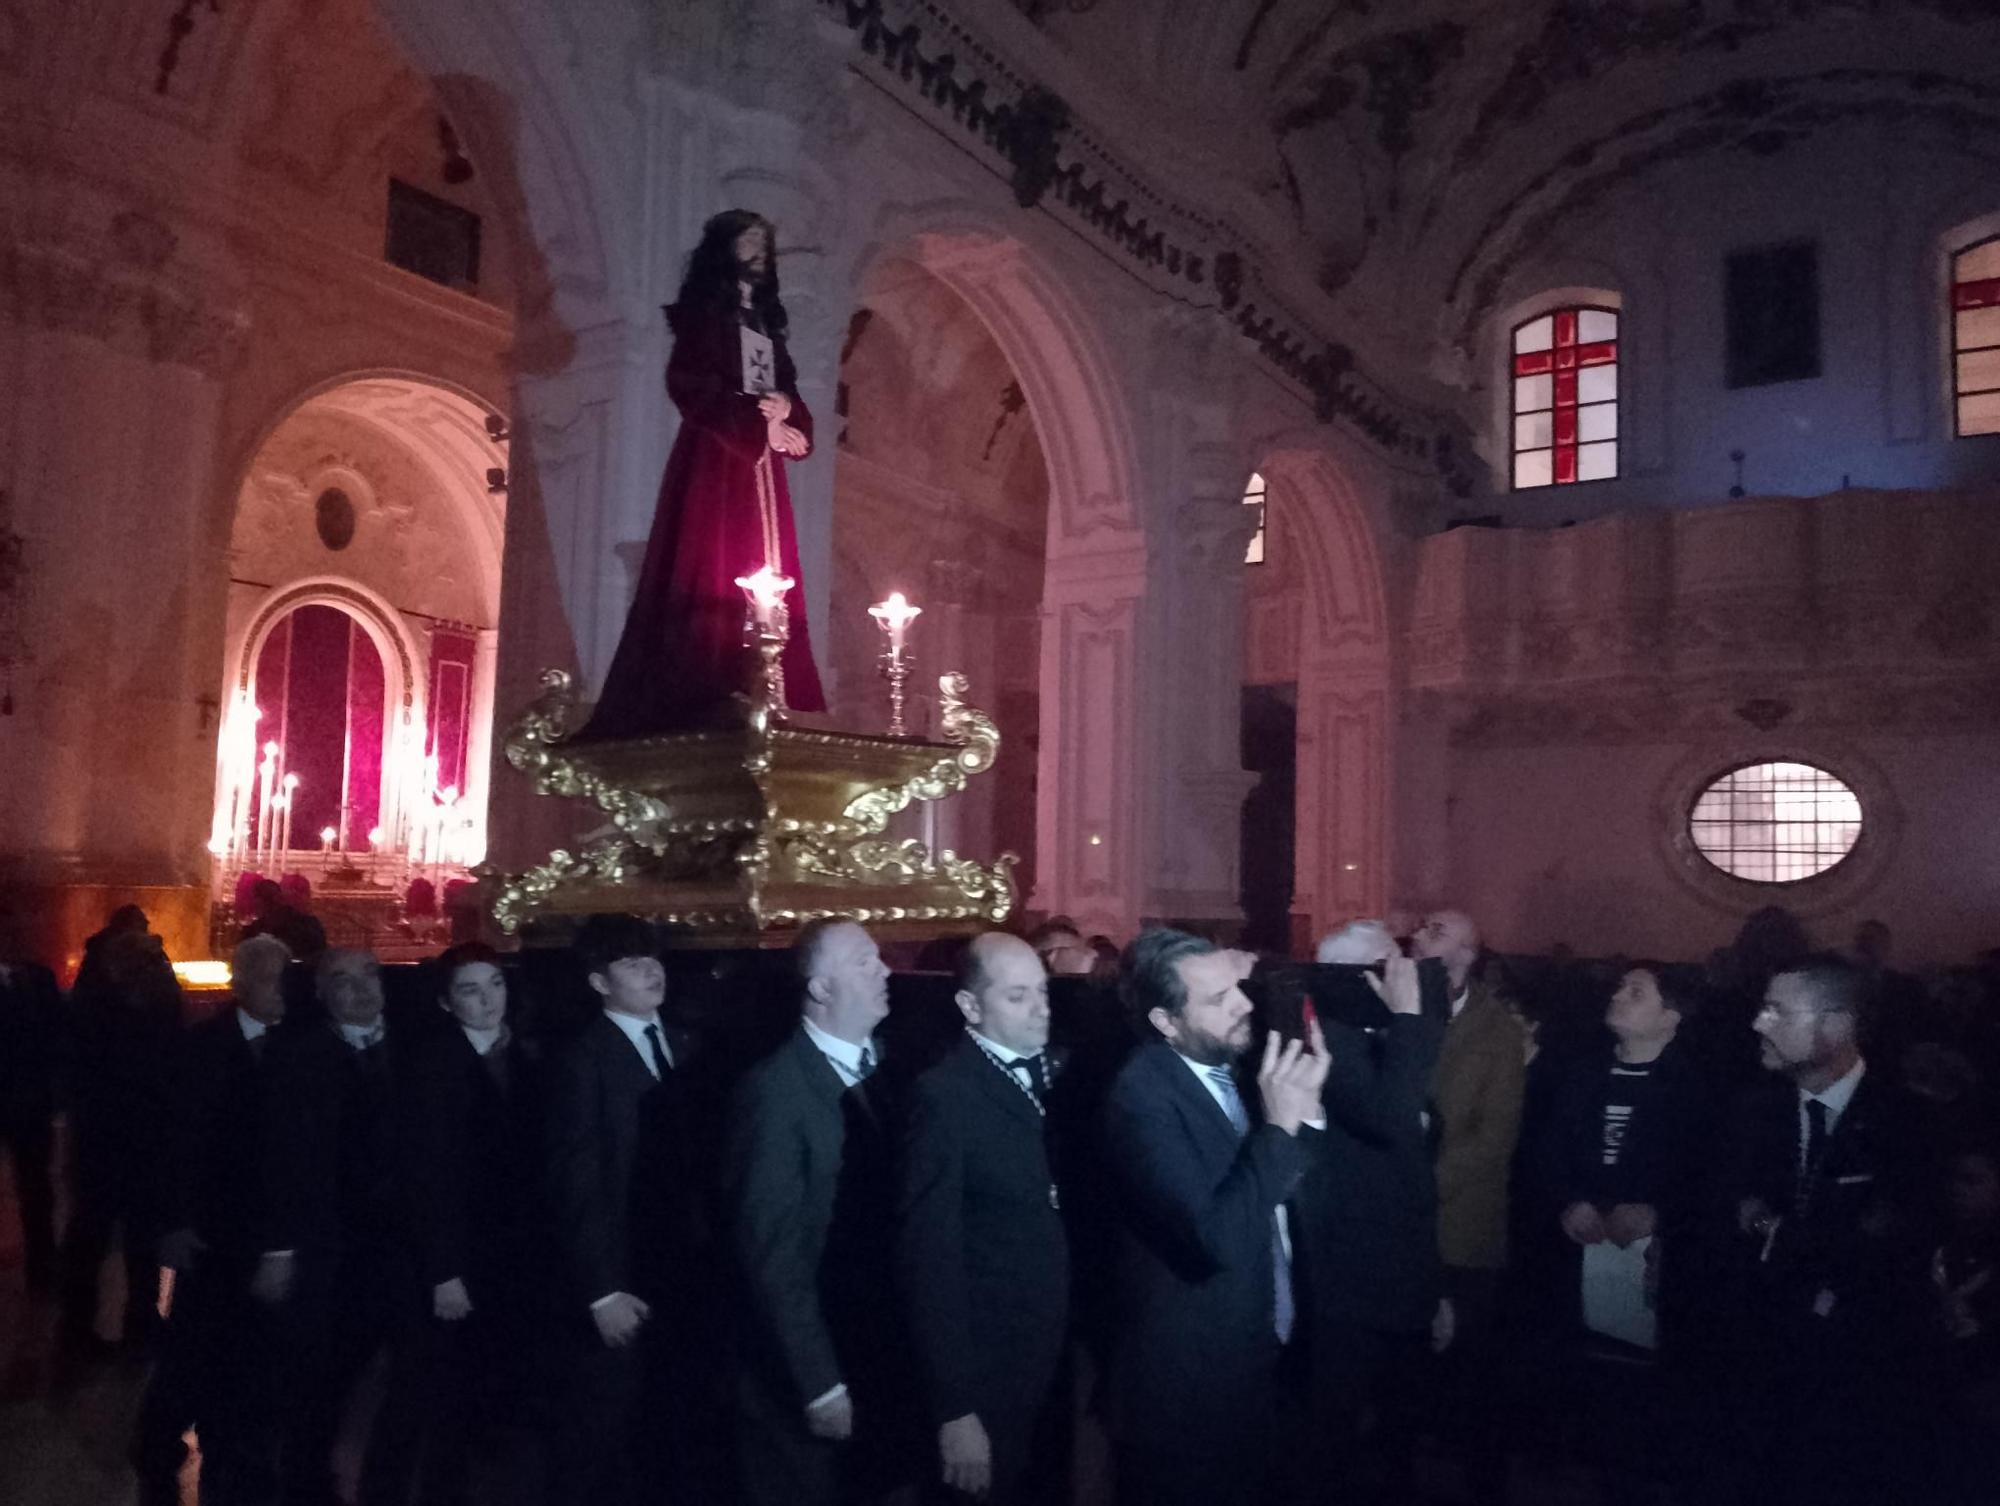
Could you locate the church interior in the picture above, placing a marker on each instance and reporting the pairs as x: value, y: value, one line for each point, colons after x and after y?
x: 1530, y: 457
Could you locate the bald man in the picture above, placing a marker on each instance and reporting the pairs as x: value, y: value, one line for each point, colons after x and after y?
x: 981, y: 1254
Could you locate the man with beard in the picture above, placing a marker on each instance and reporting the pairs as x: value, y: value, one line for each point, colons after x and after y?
x: 806, y: 1183
x: 1830, y: 1246
x: 724, y: 510
x: 981, y: 1252
x: 1203, y: 1180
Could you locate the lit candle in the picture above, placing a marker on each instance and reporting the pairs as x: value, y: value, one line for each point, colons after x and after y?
x: 326, y: 836
x: 895, y: 616
x: 267, y: 772
x: 291, y: 783
x: 766, y: 590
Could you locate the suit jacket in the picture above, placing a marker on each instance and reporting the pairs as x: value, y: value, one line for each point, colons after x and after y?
x: 623, y: 1196
x: 216, y: 1182
x: 1848, y: 1266
x: 1195, y: 1355
x: 1365, y: 1224
x: 333, y: 1161
x: 1482, y: 1074
x: 807, y: 1194
x: 981, y: 1254
x: 470, y: 1141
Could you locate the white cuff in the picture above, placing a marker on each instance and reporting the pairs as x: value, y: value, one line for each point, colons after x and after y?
x: 839, y: 1390
x: 607, y: 1297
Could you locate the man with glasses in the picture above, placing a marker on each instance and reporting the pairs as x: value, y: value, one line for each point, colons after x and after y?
x: 1829, y: 1246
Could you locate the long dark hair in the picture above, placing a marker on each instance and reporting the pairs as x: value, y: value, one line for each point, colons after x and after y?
x: 711, y: 283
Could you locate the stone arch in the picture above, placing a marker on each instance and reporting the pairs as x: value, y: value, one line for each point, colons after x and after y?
x: 1346, y: 697
x: 1091, y: 838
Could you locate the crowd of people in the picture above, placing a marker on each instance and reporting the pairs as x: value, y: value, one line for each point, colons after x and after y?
x: 1262, y: 1230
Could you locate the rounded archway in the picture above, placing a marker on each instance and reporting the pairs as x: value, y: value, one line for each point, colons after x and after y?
x: 362, y: 628
x: 1034, y: 380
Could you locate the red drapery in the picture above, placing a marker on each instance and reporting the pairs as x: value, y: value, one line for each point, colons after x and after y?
x: 451, y: 703
x: 322, y: 688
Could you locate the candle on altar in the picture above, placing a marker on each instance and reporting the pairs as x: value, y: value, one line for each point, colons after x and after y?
x: 291, y: 786
x: 895, y: 614
x: 326, y: 836
x: 766, y: 590
x: 267, y: 771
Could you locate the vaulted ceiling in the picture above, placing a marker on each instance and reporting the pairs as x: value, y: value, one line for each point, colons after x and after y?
x: 1406, y: 143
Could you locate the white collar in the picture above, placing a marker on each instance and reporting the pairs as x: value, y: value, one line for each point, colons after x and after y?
x: 845, y: 1055
x: 1836, y: 1096
x: 361, y: 1037
x: 252, y: 1028
x: 1007, y: 1054
x: 635, y: 1030
x: 483, y: 1041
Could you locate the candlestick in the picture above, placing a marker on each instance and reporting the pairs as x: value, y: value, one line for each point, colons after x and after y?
x: 769, y: 627
x: 894, y: 615
x: 326, y: 836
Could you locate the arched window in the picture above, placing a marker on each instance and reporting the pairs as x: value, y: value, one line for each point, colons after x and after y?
x: 1975, y: 331
x: 1565, y: 409
x: 1253, y: 496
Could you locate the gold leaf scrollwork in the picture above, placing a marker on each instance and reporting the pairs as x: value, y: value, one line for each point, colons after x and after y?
x: 977, y: 742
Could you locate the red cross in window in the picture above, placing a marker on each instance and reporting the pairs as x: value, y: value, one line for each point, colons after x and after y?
x: 1564, y: 360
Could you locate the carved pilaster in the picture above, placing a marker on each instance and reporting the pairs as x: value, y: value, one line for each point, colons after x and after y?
x: 152, y: 311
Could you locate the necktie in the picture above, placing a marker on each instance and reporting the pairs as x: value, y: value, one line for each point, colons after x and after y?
x: 1030, y: 1069
x: 1815, y: 1148
x: 1282, y: 1311
x: 659, y: 1052
x: 866, y: 1066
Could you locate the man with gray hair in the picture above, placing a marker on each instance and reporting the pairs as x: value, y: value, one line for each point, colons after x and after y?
x: 1359, y: 943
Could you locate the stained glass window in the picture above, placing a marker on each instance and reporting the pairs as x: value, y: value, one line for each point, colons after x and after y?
x: 1775, y: 823
x: 1253, y: 496
x: 1975, y: 329
x: 1566, y: 397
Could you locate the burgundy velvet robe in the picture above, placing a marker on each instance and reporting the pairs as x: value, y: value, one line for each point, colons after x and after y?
x: 683, y: 653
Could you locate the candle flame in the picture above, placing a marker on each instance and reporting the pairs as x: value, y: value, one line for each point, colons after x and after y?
x: 767, y: 588
x: 896, y: 612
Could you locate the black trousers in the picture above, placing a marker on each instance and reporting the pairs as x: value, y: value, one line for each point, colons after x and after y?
x: 219, y: 1373
x: 115, y: 1197
x: 31, y: 1143
x: 1354, y: 1372
x: 346, y: 1307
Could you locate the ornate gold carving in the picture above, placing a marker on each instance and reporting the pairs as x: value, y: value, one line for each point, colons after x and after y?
x: 757, y: 828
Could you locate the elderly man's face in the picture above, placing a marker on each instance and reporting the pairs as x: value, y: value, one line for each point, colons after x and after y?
x: 350, y: 986
x: 257, y: 983
x: 1447, y: 936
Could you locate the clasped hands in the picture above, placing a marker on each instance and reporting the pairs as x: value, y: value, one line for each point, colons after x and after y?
x: 1625, y: 1225
x: 786, y: 440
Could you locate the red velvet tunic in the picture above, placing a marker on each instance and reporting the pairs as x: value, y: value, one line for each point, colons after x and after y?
x: 683, y: 654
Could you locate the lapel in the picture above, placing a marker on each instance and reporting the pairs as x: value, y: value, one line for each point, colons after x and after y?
x: 1198, y: 1107
x: 633, y: 1077
x: 993, y: 1081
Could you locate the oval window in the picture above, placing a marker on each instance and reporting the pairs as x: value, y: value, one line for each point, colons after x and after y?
x: 333, y: 516
x: 1775, y: 823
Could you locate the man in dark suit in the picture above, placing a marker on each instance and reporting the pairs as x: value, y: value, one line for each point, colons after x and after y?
x: 336, y: 1206
x: 807, y: 1188
x: 31, y: 1024
x: 1203, y: 1178
x: 218, y: 1364
x: 981, y: 1255
x: 1832, y: 1250
x: 623, y: 1203
x: 1371, y: 1287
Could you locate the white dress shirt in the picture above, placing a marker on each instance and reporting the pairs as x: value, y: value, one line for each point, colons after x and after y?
x: 843, y: 1056
x: 1836, y: 1096
x: 635, y: 1028
x: 1214, y: 1090
x: 484, y: 1041
x: 252, y: 1028
x: 361, y: 1037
